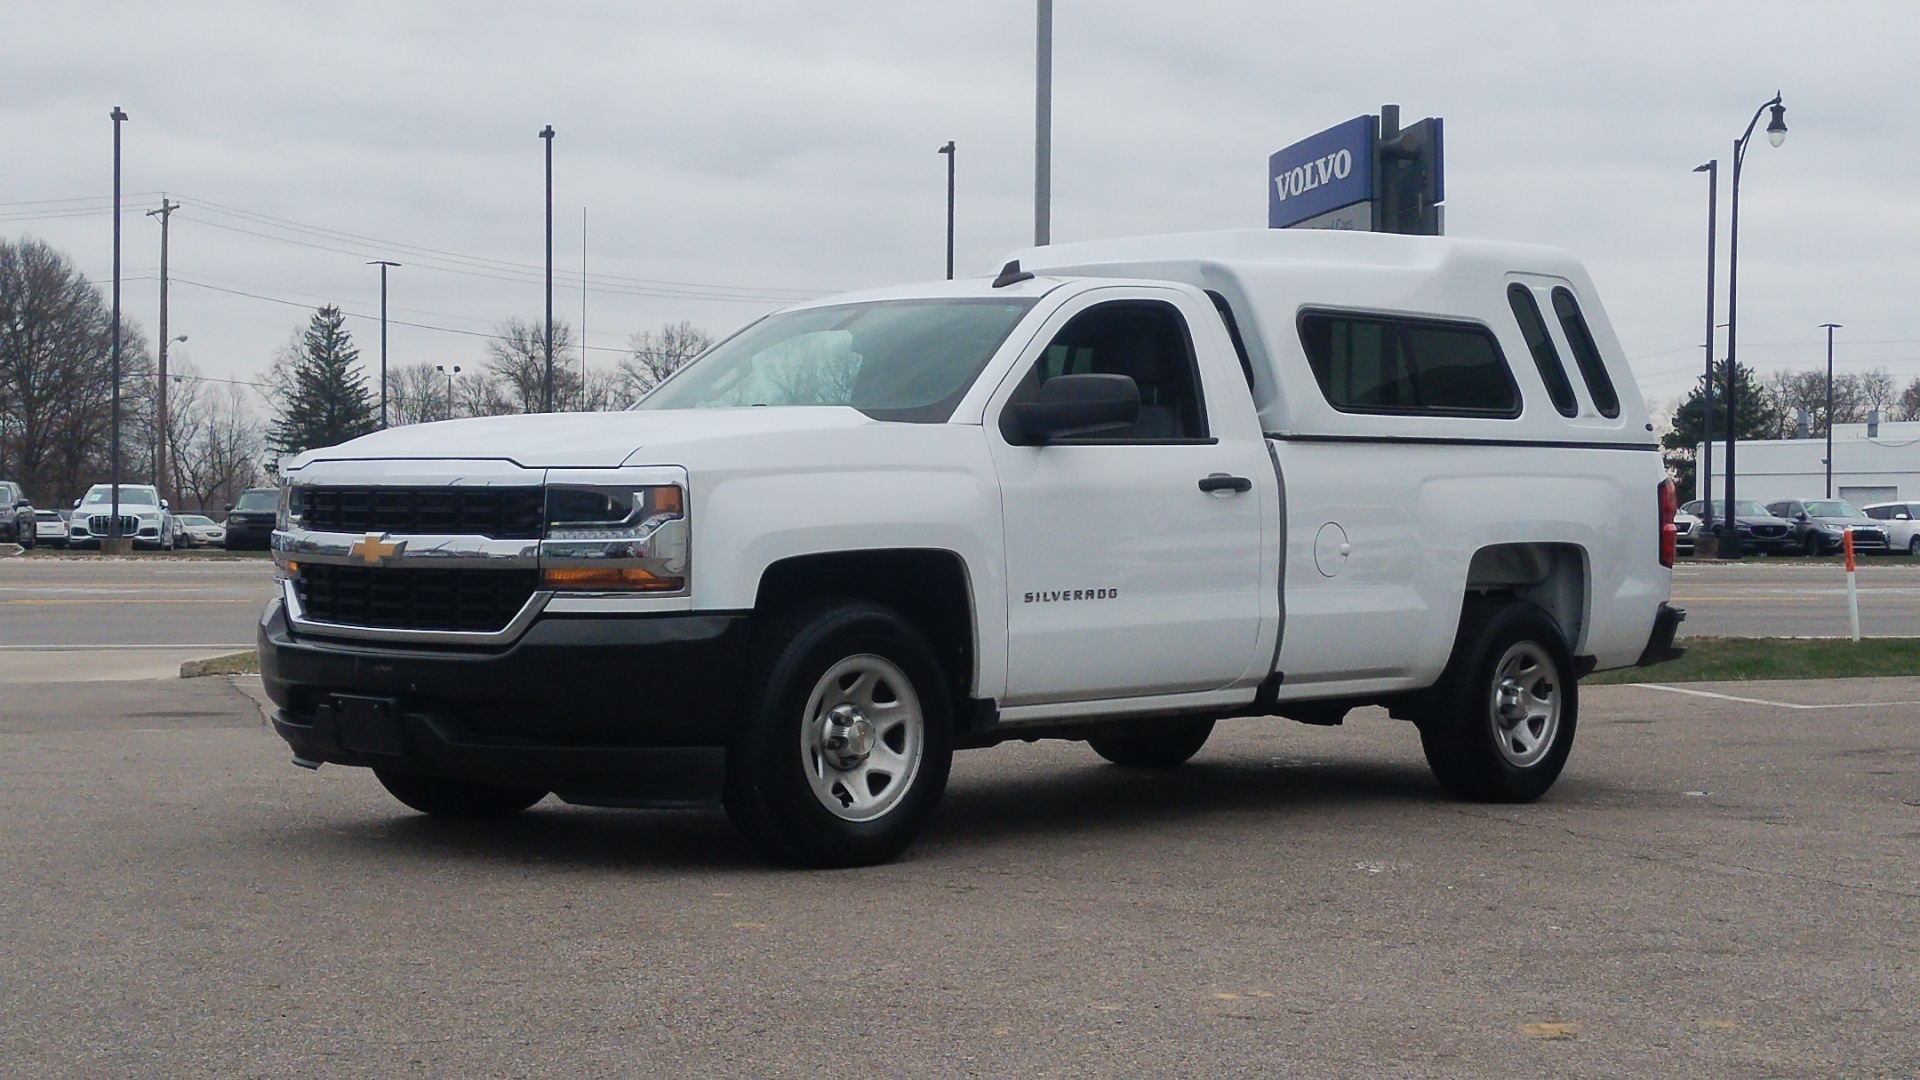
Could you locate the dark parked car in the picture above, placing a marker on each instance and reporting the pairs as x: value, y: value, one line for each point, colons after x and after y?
x: 250, y: 521
x: 1818, y: 523
x: 1759, y: 530
x: 16, y: 516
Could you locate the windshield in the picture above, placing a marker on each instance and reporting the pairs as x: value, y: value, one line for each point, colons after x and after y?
x: 910, y: 360
x: 257, y: 500
x: 1833, y: 509
x: 1747, y: 509
x: 129, y: 496
x: 196, y: 519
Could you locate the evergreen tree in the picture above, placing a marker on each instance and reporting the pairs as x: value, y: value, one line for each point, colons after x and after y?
x: 324, y: 398
x: 1759, y: 413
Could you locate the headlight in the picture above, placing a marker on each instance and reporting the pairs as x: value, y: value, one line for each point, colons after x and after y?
x: 628, y: 537
x: 288, y: 510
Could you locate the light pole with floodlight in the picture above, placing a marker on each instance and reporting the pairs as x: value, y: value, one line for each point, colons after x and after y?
x: 948, y: 151
x: 1703, y: 481
x: 383, y: 264
x: 1830, y: 327
x: 442, y: 369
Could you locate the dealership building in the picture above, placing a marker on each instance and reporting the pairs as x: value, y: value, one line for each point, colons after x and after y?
x: 1872, y: 463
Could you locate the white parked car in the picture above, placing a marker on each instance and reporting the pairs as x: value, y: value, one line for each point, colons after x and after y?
x: 1686, y: 530
x: 1903, y: 524
x: 143, y: 516
x: 202, y: 531
x: 50, y: 528
x: 1116, y: 493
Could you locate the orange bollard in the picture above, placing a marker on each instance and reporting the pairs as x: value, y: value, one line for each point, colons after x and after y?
x: 1853, y: 594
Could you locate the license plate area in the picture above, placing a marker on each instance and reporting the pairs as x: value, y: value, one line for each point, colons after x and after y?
x: 368, y: 725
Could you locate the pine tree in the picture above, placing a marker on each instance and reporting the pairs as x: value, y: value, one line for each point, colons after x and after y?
x: 1759, y: 419
x: 325, y: 399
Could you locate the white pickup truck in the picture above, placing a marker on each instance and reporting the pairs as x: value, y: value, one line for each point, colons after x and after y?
x: 1116, y: 493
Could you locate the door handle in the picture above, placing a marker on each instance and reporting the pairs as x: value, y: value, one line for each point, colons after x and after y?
x: 1222, y: 482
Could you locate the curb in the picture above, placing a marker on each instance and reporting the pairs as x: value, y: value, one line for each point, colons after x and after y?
x: 240, y: 663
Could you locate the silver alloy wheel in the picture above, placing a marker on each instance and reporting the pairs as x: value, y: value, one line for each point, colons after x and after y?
x: 863, y: 738
x: 1525, y: 704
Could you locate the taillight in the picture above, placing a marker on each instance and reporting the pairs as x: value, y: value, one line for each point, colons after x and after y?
x: 1669, y: 534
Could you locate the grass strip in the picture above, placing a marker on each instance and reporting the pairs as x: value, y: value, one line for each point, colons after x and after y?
x: 1730, y: 659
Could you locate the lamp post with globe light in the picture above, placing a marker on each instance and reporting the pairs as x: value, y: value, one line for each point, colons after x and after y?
x: 1776, y: 134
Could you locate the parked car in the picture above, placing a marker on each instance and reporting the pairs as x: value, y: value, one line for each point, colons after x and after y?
x: 144, y: 517
x: 1903, y: 525
x: 1818, y: 525
x: 50, y: 528
x: 1129, y: 488
x: 1760, y: 531
x: 202, y: 531
x: 250, y: 521
x: 17, y: 522
x: 1686, y: 529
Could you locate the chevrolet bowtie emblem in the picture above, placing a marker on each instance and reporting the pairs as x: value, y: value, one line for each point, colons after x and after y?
x: 374, y: 549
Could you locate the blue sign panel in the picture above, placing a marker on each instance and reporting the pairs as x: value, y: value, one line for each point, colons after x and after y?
x: 1321, y: 172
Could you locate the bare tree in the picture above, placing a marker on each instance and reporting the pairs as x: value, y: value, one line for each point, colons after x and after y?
x: 416, y: 393
x: 652, y: 357
x: 1908, y: 405
x: 1877, y: 390
x: 215, y: 440
x: 517, y: 363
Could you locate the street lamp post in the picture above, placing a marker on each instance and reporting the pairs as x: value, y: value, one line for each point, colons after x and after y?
x: 1043, y: 125
x: 948, y: 150
x: 113, y: 522
x: 1830, y: 328
x: 546, y: 386
x: 1704, y: 467
x: 1776, y: 134
x: 383, y: 264
x: 442, y: 369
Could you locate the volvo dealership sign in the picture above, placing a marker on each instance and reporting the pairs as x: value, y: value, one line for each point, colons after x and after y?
x: 1368, y: 175
x: 1324, y: 173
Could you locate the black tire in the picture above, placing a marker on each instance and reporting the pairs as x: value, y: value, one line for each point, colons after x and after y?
x: 1168, y: 744
x: 1473, y: 754
x: 781, y: 769
x: 442, y: 797
x: 1813, y: 545
x: 1913, y: 546
x: 30, y: 538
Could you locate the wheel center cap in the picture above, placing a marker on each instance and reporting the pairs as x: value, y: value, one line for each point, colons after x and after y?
x: 847, y: 738
x: 1507, y: 702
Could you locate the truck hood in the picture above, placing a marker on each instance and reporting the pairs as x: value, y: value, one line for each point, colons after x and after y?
x: 580, y: 440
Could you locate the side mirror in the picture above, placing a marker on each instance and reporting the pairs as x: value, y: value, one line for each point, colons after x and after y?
x: 164, y: 506
x: 1803, y: 516
x: 23, y: 504
x: 229, y: 507
x: 1070, y: 405
x: 76, y: 504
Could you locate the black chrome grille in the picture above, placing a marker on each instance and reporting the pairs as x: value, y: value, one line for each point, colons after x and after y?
x: 408, y: 599
x: 97, y: 524
x: 499, y: 513
x: 1771, y: 532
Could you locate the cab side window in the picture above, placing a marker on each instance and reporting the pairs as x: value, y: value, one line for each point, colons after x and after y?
x: 1408, y: 366
x: 1145, y: 340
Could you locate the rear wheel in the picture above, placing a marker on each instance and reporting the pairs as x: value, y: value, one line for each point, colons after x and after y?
x: 1168, y: 744
x: 1913, y: 546
x: 1812, y: 544
x: 844, y: 739
x: 29, y: 538
x: 443, y: 797
x: 1506, y: 707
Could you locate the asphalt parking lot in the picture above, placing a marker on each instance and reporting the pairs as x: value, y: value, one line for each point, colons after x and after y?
x: 1720, y: 885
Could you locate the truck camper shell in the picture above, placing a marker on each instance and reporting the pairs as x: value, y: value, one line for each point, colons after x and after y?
x: 1268, y: 278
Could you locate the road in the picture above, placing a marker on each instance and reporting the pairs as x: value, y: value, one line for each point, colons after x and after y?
x: 1764, y: 598
x: 57, y: 603
x: 1716, y: 887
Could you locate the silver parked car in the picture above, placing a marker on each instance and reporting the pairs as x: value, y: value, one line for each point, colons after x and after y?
x: 1902, y: 521
x: 201, y: 530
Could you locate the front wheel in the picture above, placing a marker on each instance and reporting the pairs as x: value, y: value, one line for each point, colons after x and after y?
x: 1813, y: 545
x: 443, y: 797
x: 1913, y: 546
x: 1505, y: 708
x: 844, y: 738
x: 1168, y: 744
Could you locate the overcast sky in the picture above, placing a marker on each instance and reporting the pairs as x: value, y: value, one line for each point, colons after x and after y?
x: 734, y: 156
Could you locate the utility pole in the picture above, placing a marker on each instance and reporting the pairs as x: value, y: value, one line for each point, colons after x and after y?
x: 1830, y: 328
x: 113, y: 522
x: 948, y: 150
x: 546, y: 393
x: 583, y: 306
x: 160, y: 442
x: 382, y: 264
x: 1043, y: 127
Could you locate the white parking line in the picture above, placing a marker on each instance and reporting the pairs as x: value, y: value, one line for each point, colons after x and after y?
x: 1775, y: 704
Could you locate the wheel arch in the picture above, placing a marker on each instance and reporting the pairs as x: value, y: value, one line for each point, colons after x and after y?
x: 930, y: 587
x: 1553, y: 576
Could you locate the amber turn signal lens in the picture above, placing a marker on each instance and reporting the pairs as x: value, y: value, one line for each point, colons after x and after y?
x: 666, y: 499
x: 608, y: 577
